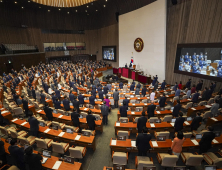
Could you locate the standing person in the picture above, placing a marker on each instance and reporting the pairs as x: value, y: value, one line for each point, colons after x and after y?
x: 206, y: 140
x: 195, y: 97
x: 175, y: 87
x: 188, y: 83
x: 33, y: 93
x: 116, y: 98
x: 66, y: 104
x: 90, y: 120
x: 123, y: 110
x: 42, y: 97
x: 17, y: 154
x: 75, y: 118
x: 141, y: 123
x: 196, y: 121
x: 34, y: 125
x: 101, y: 95
x: 150, y: 110
x: 76, y: 104
x: 2, y: 153
x: 204, y: 94
x: 33, y: 160
x: 25, y: 105
x: 152, y: 96
x: 177, y: 144
x: 71, y: 96
x: 199, y: 85
x: 105, y: 89
x: 188, y: 92
x: 193, y: 89
x: 162, y: 100
x: 81, y: 99
x: 163, y: 85
x: 105, y: 110
x: 178, y: 126
x: 180, y: 85
x: 107, y: 102
x: 57, y: 104
x: 144, y: 90
x: 48, y: 111
x: 142, y: 142
x: 177, y: 92
x: 215, y: 107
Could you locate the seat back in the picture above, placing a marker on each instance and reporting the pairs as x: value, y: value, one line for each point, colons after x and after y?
x: 18, y: 111
x: 166, y: 134
x: 143, y: 161
x: 14, y: 134
x: 169, y: 160
x: 123, y: 119
x: 97, y: 116
x: 75, y: 152
x: 133, y: 101
x: 120, y: 100
x: 167, y: 118
x: 184, y: 97
x: 175, y: 98
x: 144, y: 101
x: 120, y: 158
x: 61, y: 111
x: 139, y: 109
x: 41, y: 143
x: 207, y: 114
x: 172, y: 92
x: 218, y: 162
x: 190, y: 104
x: 23, y: 140
x: 194, y: 160
x: 210, y: 101
x: 153, y: 119
x: 216, y: 97
x: 56, y: 124
x: 202, y: 103
x: 13, y: 167
x: 187, y: 134
x: 90, y: 131
x: 136, y: 119
x: 57, y: 147
x: 84, y: 114
x: 3, y: 130
x: 167, y: 108
x: 123, y: 133
x: 112, y: 101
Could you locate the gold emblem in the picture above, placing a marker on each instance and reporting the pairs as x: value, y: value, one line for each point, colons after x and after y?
x: 138, y: 44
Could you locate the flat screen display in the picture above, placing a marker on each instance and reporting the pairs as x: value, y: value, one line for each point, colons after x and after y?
x: 109, y: 53
x: 199, y: 60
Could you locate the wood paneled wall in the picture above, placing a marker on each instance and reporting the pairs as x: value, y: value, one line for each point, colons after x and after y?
x: 191, y: 21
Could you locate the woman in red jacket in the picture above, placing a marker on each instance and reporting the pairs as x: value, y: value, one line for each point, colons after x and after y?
x: 180, y: 85
x: 193, y: 89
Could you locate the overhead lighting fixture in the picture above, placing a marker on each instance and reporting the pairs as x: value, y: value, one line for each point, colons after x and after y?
x: 48, y: 10
x: 67, y: 12
x: 87, y: 6
x: 28, y: 1
x: 59, y: 9
x: 87, y: 14
x: 86, y: 10
x: 40, y: 7
x: 106, y: 0
x: 22, y: 7
x: 96, y: 10
x: 15, y: 2
x: 1, y: 1
x: 76, y: 10
x: 104, y: 5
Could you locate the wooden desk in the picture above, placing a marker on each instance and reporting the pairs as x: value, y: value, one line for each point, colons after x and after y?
x: 211, y: 120
x: 104, y: 168
x: 191, y: 111
x: 163, y: 126
x: 51, y: 161
x: 83, y: 141
x: 185, y: 101
x: 7, y: 115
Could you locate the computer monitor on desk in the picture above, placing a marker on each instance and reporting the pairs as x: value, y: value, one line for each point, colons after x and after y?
x: 69, y: 130
x: 118, y: 167
x: 121, y: 138
x: 198, y: 136
x: 217, y: 133
x: 85, y: 133
x: 189, y: 119
x: 42, y: 124
x: 161, y: 138
x: 46, y: 153
x: 149, y: 168
x: 158, y: 121
x: 173, y: 120
x: 55, y: 111
x: 109, y: 168
x: 124, y: 120
x: 68, y: 159
x: 210, y: 167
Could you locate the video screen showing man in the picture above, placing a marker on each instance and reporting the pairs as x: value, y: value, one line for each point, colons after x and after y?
x: 108, y: 54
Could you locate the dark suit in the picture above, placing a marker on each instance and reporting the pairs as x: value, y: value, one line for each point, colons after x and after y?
x: 81, y: 99
x: 76, y: 105
x: 48, y: 111
x: 42, y: 98
x: 75, y: 119
x: 195, y: 97
x: 34, y: 126
x: 120, y: 85
x: 178, y: 126
x: 57, y: 105
x: 126, y: 101
x: 25, y: 106
x: 144, y: 91
x: 141, y: 123
x: 54, y: 98
x: 199, y: 86
x: 91, y: 121
x: 33, y: 94
x: 104, y: 110
x: 142, y: 143
x: 57, y: 92
x: 220, y: 102
x: 92, y: 100
x: 176, y: 110
x: 205, y: 142
x: 105, y: 89
x: 162, y: 101
x: 34, y: 161
x: 150, y: 110
x: 101, y: 95
x: 132, y: 87
x: 196, y: 123
x: 17, y: 154
x: 123, y: 111
x: 66, y: 104
x: 71, y: 97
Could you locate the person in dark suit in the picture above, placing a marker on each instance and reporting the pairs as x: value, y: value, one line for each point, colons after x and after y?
x: 195, y: 97
x: 48, y: 111
x: 176, y: 109
x: 209, y: 93
x: 175, y: 87
x: 178, y: 126
x: 220, y: 101
x: 132, y: 86
x: 144, y: 90
x: 196, y: 121
x: 204, y: 94
x: 71, y: 96
x: 90, y: 120
x: 105, y: 111
x: 81, y: 98
x: 34, y: 125
x: 163, y: 85
x: 162, y: 101
x: 123, y: 110
x: 66, y: 104
x: 120, y: 85
x: 199, y: 85
x: 138, y: 86
x: 17, y: 154
x: 57, y: 92
x: 33, y: 160
x: 42, y: 97
x: 150, y: 109
x: 76, y: 104
x: 206, y: 140
x: 54, y: 97
x: 142, y: 142
x: 141, y: 123
x: 25, y: 106
x: 2, y: 153
x: 101, y: 94
x: 116, y: 98
x: 92, y: 100
x: 33, y: 93
x: 93, y: 92
x: 57, y: 104
x: 126, y: 101
x: 75, y: 118
x: 188, y: 84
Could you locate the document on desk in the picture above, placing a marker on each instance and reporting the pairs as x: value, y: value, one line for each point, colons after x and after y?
x: 39, y: 111
x: 77, y: 137
x: 154, y: 143
x: 117, y: 124
x: 189, y: 99
x: 187, y: 123
x: 60, y: 116
x: 85, y: 108
x: 215, y: 141
x: 44, y: 159
x: 24, y: 123
x: 145, y: 104
x: 138, y: 97
x: 194, y: 142
x: 193, y: 108
x: 61, y: 134
x: 208, y: 106
x: 214, y: 119
x: 14, y: 119
x: 133, y: 104
x: 167, y: 96
x: 47, y: 130
x: 158, y: 112
x: 132, y: 113
x: 152, y: 125
x: 113, y: 142
x: 57, y: 165
x: 6, y: 111
x: 133, y: 143
x: 172, y: 124
x: 147, y: 97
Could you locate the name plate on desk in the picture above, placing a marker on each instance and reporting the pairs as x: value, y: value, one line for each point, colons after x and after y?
x: 14, y: 120
x: 57, y: 165
x: 113, y: 142
x: 154, y: 143
x: 215, y: 141
x: 39, y: 111
x: 132, y: 113
x: 187, y: 123
x: 85, y: 108
x: 61, y: 134
x: 158, y: 112
x: 214, y: 119
x: 193, y: 108
x: 24, y: 123
x: 133, y: 143
x: 167, y: 96
x: 208, y: 106
x: 133, y: 104
x: 60, y: 116
x: 47, y: 130
x: 194, y: 142
x: 6, y: 111
x: 145, y: 104
x: 77, y: 137
x: 172, y: 124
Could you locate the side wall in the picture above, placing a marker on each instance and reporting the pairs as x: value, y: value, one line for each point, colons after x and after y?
x: 191, y: 21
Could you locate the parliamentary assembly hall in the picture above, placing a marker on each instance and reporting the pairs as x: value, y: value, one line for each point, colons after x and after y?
x: 110, y: 84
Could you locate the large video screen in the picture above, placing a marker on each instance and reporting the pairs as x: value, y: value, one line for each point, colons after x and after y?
x: 199, y: 60
x: 109, y: 53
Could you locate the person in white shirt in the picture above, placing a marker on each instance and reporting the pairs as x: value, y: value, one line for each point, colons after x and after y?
x: 187, y: 67
x: 152, y: 96
x: 59, y: 86
x: 125, y: 87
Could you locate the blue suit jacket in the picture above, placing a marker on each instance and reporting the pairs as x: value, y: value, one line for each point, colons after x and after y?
x: 66, y: 104
x: 92, y: 100
x: 81, y: 99
x: 57, y: 92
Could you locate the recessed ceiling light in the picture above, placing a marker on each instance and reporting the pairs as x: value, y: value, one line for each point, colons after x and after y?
x: 96, y: 10
x: 59, y: 9
x: 104, y: 5
x: 87, y: 14
x: 67, y: 12
x: 28, y: 1
x: 1, y: 1
x: 22, y: 7
x: 48, y: 10
x: 40, y: 7
x: 87, y: 6
x: 76, y: 10
x: 15, y: 2
x: 86, y: 10
x: 106, y: 0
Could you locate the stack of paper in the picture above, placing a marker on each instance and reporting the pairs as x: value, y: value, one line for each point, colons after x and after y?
x: 214, y: 119
x: 47, y: 130
x: 61, y: 134
x: 113, y: 142
x: 167, y: 96
x: 215, y: 141
x: 145, y: 103
x: 60, y: 116
x: 6, y: 111
x: 154, y: 143
x: 195, y: 142
x: 85, y: 108
x: 158, y: 112
x: 77, y: 137
x: 133, y: 104
x: 133, y: 113
x: 152, y: 125
x: 193, y: 108
x: 172, y: 124
x: 39, y: 111
x: 117, y: 124
x: 24, y: 123
x: 57, y: 165
x: 44, y: 159
x: 14, y: 119
x: 208, y: 106
x: 133, y: 143
x: 187, y: 123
